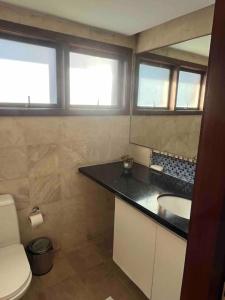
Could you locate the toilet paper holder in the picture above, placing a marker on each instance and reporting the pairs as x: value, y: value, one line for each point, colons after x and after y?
x: 35, y: 210
x: 36, y: 217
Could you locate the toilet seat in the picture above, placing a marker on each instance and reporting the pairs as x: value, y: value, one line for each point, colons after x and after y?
x: 15, y: 274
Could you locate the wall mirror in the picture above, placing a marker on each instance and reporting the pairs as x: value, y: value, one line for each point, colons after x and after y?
x: 169, y: 97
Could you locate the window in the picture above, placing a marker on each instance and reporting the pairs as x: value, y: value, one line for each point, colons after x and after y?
x: 188, y: 91
x: 27, y: 74
x: 153, y: 90
x: 98, y: 81
x: 168, y: 86
x: 93, y: 80
x: 50, y: 73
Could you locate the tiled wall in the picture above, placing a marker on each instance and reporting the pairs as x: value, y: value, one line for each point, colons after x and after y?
x: 173, y: 134
x: 39, y: 158
x: 175, y: 166
x: 140, y: 154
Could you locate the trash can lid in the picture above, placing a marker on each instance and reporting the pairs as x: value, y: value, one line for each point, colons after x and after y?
x: 40, y: 245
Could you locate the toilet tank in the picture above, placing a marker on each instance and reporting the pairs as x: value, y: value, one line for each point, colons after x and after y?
x: 9, y: 228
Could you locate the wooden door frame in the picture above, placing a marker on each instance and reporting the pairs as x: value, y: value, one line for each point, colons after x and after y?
x: 205, y: 259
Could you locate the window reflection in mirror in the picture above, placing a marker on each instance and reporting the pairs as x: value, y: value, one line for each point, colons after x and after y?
x: 188, y: 90
x: 153, y: 89
x: 169, y: 97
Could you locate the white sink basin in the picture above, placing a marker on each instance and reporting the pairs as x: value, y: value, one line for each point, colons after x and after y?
x: 176, y: 205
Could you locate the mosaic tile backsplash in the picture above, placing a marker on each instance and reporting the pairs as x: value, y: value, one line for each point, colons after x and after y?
x: 176, y: 167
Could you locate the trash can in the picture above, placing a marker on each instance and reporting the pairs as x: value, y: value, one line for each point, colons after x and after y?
x: 40, y: 255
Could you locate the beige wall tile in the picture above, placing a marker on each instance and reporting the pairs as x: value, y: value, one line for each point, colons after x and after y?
x: 99, y: 150
x: 174, y: 134
x: 40, y: 130
x: 99, y: 212
x: 52, y: 214
x: 140, y: 154
x: 26, y: 232
x: 109, y: 149
x: 42, y: 160
x: 72, y: 184
x: 79, y: 129
x: 73, y: 216
x: 96, y: 139
x: 118, y: 148
x: 72, y: 154
x: 75, y: 184
x: 91, y: 128
x: 11, y: 134
x: 19, y: 189
x: 75, y: 208
x: 13, y: 163
x: 44, y: 189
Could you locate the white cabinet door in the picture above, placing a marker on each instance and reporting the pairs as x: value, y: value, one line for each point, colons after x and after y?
x: 169, y: 265
x: 134, y: 245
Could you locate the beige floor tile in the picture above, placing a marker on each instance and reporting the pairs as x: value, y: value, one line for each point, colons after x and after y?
x: 61, y: 271
x: 85, y: 258
x: 102, y: 282
x: 69, y: 289
x: 86, y: 273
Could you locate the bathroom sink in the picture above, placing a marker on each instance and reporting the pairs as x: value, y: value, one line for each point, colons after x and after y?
x: 177, y: 205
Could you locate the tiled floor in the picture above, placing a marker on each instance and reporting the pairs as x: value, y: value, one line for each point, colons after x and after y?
x: 86, y: 273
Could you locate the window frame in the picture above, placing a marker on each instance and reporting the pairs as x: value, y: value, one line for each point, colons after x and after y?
x: 175, y: 66
x: 124, y: 88
x: 154, y: 64
x: 59, y: 56
x: 201, y: 90
x: 63, y: 43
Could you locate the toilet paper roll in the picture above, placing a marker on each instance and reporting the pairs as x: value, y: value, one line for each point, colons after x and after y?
x: 36, y: 220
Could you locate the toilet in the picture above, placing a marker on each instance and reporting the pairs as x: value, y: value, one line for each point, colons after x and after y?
x: 15, y: 272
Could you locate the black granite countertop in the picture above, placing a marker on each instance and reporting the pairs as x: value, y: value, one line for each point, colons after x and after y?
x: 140, y: 187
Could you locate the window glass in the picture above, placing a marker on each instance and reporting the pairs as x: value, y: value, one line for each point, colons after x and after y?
x: 153, y: 89
x: 188, y: 90
x: 93, y: 80
x: 27, y: 73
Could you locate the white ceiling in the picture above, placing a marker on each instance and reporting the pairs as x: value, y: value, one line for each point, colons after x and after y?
x: 123, y: 16
x: 199, y: 45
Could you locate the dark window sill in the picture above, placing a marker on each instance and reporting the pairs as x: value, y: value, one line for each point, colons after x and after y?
x: 148, y: 112
x: 61, y: 112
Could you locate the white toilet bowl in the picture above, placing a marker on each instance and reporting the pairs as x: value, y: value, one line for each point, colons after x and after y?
x: 15, y: 272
